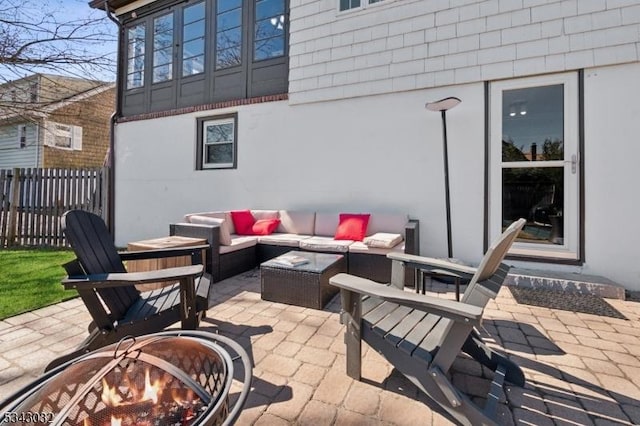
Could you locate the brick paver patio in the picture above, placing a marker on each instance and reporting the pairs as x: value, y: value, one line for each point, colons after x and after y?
x: 580, y: 368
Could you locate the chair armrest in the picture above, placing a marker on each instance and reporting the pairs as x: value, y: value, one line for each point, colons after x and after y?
x: 161, y: 253
x: 132, y: 278
x: 211, y: 233
x: 456, y: 311
x: 434, y: 266
x: 412, y: 237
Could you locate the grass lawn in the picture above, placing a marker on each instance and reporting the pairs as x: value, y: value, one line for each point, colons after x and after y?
x: 30, y: 279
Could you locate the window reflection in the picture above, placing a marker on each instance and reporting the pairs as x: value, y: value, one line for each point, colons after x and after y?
x: 228, y: 33
x: 536, y: 194
x: 218, y: 143
x: 193, y: 44
x: 533, y: 124
x: 163, y: 48
x: 135, y: 56
x: 269, y: 32
x: 533, y: 131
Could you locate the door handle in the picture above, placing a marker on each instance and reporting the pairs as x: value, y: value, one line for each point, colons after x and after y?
x: 574, y: 163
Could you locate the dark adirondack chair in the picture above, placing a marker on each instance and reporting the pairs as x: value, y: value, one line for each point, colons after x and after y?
x: 421, y: 335
x: 117, y: 308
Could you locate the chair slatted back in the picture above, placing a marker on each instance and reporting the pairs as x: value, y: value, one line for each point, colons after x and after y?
x: 492, y: 272
x: 92, y: 244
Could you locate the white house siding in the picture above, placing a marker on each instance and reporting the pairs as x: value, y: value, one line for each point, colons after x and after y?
x: 398, y: 45
x: 11, y: 155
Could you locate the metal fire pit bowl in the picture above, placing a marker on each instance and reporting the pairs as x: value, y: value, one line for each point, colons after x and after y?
x: 169, y: 378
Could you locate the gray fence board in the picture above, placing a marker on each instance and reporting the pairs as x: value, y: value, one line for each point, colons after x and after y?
x: 33, y: 200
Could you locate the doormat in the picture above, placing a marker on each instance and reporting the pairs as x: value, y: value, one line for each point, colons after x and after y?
x: 585, y: 303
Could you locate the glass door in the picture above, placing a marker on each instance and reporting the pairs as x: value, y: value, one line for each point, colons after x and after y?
x: 534, y: 164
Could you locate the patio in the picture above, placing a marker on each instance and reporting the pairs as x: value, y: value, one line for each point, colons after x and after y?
x: 580, y: 368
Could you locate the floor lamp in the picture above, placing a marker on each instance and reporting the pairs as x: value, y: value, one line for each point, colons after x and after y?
x: 443, y: 105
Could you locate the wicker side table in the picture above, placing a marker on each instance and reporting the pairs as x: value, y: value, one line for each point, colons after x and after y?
x: 303, y: 285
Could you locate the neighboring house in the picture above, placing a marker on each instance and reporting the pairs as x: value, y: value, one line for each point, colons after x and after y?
x: 53, y: 121
x: 320, y: 104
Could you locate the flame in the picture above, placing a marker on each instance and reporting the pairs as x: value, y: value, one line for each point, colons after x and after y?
x: 145, y: 399
x: 110, y: 395
x: 151, y: 391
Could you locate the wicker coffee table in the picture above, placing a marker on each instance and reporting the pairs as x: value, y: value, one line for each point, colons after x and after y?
x: 303, y: 285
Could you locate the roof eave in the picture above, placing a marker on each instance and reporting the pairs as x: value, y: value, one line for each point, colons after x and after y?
x: 113, y: 4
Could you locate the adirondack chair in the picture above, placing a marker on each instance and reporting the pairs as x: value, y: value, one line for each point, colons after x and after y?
x: 422, y: 335
x: 117, y: 308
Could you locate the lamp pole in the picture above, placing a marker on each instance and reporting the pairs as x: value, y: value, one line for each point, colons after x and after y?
x: 442, y: 106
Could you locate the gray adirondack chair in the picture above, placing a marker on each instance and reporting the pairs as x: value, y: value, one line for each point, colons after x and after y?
x: 117, y: 308
x: 422, y: 335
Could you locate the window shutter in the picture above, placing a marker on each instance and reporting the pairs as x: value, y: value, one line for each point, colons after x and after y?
x: 49, y: 133
x: 76, y: 142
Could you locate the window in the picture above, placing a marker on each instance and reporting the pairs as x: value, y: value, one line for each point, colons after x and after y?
x: 355, y: 4
x: 22, y: 135
x: 135, y: 56
x: 269, y: 29
x: 217, y: 142
x: 63, y: 136
x: 228, y: 33
x: 534, y: 164
x: 33, y: 92
x: 163, y: 48
x: 193, y: 39
x: 196, y: 52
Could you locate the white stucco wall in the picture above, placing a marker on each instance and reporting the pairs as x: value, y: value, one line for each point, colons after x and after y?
x: 382, y: 153
x: 612, y: 175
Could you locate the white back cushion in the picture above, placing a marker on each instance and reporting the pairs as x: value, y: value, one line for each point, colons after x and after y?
x: 296, y: 222
x: 326, y: 224
x: 387, y: 222
x: 223, y: 224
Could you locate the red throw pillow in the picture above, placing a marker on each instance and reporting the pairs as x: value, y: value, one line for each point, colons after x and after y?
x: 243, y: 221
x: 352, y: 227
x: 265, y: 226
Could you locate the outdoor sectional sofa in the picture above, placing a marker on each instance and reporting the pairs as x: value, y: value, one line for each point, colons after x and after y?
x: 231, y: 254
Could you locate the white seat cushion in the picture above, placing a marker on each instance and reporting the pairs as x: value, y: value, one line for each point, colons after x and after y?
x: 325, y: 244
x: 287, y: 240
x: 360, y: 247
x: 239, y: 242
x: 383, y: 240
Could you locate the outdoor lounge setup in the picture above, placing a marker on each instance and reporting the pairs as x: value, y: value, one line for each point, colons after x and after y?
x: 232, y: 250
x: 117, y: 308
x: 422, y: 335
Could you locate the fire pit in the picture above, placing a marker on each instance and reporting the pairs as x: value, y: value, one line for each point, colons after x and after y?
x: 169, y: 378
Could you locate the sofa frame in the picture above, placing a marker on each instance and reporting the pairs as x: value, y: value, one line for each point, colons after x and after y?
x: 221, y: 266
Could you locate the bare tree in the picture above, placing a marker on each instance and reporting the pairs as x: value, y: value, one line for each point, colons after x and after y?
x: 41, y: 37
x: 37, y: 34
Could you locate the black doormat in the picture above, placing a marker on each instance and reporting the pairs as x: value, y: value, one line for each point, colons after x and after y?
x: 585, y: 303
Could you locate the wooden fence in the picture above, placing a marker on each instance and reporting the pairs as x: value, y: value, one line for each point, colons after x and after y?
x: 33, y: 200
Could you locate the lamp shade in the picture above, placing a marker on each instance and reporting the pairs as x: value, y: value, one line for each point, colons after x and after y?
x: 443, y: 104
